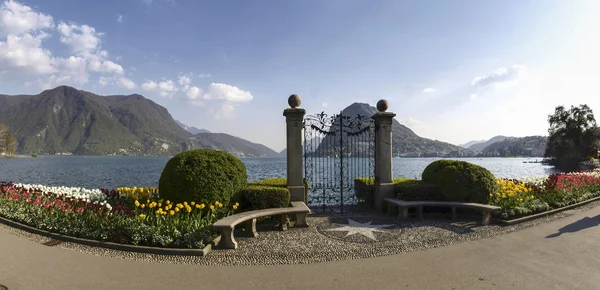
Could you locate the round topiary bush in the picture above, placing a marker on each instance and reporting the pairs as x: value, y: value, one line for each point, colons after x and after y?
x: 461, y: 181
x: 202, y: 175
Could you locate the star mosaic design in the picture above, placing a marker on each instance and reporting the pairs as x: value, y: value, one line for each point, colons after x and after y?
x: 366, y: 229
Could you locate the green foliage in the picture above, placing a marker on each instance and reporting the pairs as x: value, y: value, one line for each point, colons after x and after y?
x: 34, y: 155
x: 364, y: 187
x: 203, y: 176
x: 8, y: 143
x: 461, y: 181
x: 573, y: 137
x: 274, y: 182
x: 412, y: 190
x: 255, y: 197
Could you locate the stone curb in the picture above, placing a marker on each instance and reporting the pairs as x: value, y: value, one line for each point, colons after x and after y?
x: 114, y: 246
x: 543, y: 214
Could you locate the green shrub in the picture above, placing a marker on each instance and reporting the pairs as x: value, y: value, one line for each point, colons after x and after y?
x: 34, y: 155
x: 255, y: 197
x: 412, y: 190
x: 275, y: 182
x: 461, y: 181
x: 203, y: 176
x: 364, y: 187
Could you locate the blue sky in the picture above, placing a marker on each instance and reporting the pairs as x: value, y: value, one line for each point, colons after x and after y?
x: 451, y: 70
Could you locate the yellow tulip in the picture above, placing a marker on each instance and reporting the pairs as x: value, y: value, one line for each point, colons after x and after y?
x: 202, y: 206
x: 193, y: 203
x: 177, y: 209
x: 171, y: 212
x: 212, y: 207
x: 142, y: 216
x: 143, y: 206
x: 137, y: 203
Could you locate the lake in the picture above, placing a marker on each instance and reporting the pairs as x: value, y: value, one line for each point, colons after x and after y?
x: 118, y: 171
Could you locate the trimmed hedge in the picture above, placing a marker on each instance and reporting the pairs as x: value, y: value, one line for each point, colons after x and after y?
x: 364, y: 187
x: 274, y: 182
x: 461, y: 181
x: 255, y: 197
x: 413, y: 190
x: 203, y: 176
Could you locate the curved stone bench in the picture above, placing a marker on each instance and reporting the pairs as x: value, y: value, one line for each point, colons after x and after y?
x: 227, y: 225
x: 486, y: 210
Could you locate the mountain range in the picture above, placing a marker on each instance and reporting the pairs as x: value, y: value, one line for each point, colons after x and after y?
x: 504, y: 146
x: 67, y: 120
x: 191, y: 129
x: 404, y: 140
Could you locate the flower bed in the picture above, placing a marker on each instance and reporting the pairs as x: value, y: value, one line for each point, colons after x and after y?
x: 520, y: 197
x: 128, y: 215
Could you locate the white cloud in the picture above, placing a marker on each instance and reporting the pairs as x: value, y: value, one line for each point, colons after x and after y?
x: 17, y: 19
x: 226, y: 111
x: 193, y: 94
x: 148, y: 2
x: 203, y: 76
x: 23, y: 56
x: 224, y: 92
x: 119, y: 18
x: 419, y: 127
x: 429, y: 90
x: 82, y: 39
x: 185, y: 80
x: 501, y: 75
x: 164, y: 88
x: 103, y: 81
x: 324, y: 105
x: 127, y: 83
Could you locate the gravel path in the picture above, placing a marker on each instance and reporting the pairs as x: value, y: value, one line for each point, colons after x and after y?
x: 326, y: 240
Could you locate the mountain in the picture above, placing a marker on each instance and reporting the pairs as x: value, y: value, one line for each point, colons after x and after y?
x: 517, y: 146
x: 232, y: 144
x: 404, y: 140
x: 283, y: 153
x: 192, y: 130
x: 471, y: 143
x: 67, y: 120
x: 480, y: 146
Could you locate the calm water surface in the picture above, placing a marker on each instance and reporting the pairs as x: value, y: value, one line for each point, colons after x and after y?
x: 117, y: 171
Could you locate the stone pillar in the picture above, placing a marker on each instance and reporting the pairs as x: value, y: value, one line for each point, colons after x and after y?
x: 295, y: 169
x: 384, y: 186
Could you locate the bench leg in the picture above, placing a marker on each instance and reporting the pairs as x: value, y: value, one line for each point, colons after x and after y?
x: 227, y: 239
x: 420, y: 212
x: 453, y: 213
x: 251, y: 228
x: 487, y: 216
x: 403, y: 213
x: 283, y: 222
x: 301, y: 220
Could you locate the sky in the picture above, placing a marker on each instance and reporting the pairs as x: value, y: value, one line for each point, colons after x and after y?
x: 454, y: 71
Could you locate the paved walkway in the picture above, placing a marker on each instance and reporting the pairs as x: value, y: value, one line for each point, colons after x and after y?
x: 562, y: 254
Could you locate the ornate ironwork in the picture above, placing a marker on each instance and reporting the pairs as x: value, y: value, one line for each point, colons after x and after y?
x: 337, y: 149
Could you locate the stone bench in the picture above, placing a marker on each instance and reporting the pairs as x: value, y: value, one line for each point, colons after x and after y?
x: 227, y: 225
x: 403, y: 205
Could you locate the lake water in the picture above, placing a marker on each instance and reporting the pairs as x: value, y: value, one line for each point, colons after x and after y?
x: 117, y: 171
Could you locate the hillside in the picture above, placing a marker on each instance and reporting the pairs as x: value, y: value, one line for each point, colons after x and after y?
x: 517, y: 146
x: 191, y: 129
x: 404, y: 140
x: 471, y: 143
x: 232, y: 144
x: 67, y: 120
x: 480, y: 146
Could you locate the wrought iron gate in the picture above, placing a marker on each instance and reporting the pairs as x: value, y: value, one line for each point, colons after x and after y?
x: 337, y: 149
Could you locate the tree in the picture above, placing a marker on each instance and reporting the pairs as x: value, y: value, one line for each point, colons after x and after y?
x: 8, y: 143
x: 573, y: 137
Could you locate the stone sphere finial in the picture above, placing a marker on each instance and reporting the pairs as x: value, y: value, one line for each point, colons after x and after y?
x: 382, y: 105
x: 294, y: 101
